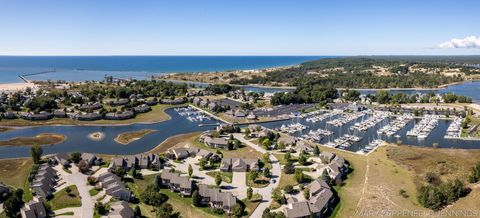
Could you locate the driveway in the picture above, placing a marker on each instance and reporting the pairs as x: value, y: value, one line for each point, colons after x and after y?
x: 276, y: 174
x: 80, y: 180
x: 239, y: 182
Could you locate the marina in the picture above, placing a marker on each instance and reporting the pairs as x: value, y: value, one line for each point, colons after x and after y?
x: 424, y: 127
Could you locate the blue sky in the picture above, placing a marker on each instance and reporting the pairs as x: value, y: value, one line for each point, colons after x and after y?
x: 243, y: 27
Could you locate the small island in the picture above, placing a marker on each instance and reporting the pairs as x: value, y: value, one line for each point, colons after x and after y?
x: 40, y: 139
x: 96, y: 136
x: 128, y: 137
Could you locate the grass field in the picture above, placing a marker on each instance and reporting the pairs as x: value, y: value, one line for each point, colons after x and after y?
x: 128, y: 137
x: 177, y: 141
x: 251, y: 205
x: 226, y: 176
x: 40, y: 139
x: 64, y: 200
x: 14, y: 172
x: 157, y: 114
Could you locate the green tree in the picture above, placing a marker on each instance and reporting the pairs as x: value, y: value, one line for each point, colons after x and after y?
x: 302, y: 159
x: 36, y: 152
x: 166, y: 211
x: 190, y: 170
x: 266, y: 172
x: 196, y: 199
x: 202, y: 163
x: 13, y: 204
x: 249, y: 193
x: 306, y: 193
x: 253, y: 175
x: 75, y: 157
x: 287, y: 156
x: 137, y: 212
x: 316, y: 151
x: 218, y: 179
x: 247, y: 132
x: 289, y: 168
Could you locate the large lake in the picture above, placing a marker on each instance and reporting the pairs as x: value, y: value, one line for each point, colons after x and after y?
x: 77, y: 136
x: 81, y: 68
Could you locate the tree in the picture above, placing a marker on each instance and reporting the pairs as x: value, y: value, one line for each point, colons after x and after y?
x: 306, y: 193
x: 101, y: 208
x: 266, y: 172
x: 190, y: 170
x: 137, y: 212
x: 83, y: 166
x: 249, y: 193
x: 218, y: 179
x: 239, y: 209
x: 287, y: 156
x: 326, y: 177
x: 316, y: 151
x: 252, y: 175
x: 196, y: 199
x: 75, y: 157
x: 302, y: 159
x: 152, y: 196
x: 266, y: 157
x: 300, y: 176
x: 288, y: 189
x: 247, y: 132
x: 278, y: 196
x: 202, y: 162
x: 289, y: 168
x: 166, y: 211
x: 266, y: 143
x: 13, y: 204
x: 36, y: 151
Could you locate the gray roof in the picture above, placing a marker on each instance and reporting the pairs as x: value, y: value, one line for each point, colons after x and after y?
x: 120, y: 209
x: 297, y: 209
x: 175, y: 178
x: 215, y: 195
x: 33, y: 209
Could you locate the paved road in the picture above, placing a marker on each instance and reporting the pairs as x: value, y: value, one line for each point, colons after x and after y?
x: 276, y: 174
x: 78, y: 179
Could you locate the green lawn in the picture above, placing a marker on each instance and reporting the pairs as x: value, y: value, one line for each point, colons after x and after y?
x: 226, y: 176
x: 62, y: 199
x: 252, y: 204
x: 93, y: 192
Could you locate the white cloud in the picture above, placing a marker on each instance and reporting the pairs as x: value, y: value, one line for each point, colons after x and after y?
x: 467, y: 42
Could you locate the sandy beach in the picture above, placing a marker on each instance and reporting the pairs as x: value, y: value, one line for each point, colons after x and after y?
x: 11, y: 87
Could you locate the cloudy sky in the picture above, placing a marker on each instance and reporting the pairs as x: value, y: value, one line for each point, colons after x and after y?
x: 243, y: 27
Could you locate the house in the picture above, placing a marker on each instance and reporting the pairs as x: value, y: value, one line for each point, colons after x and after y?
x: 142, y: 161
x: 120, y: 209
x: 151, y: 102
x: 177, y: 183
x: 321, y: 198
x: 301, y: 146
x: 10, y: 115
x: 86, y: 116
x: 182, y: 153
x: 114, y: 186
x: 297, y: 210
x: 337, y: 168
x: 142, y: 108
x: 44, y: 181
x: 33, y: 209
x: 320, y: 202
x: 119, y: 102
x: 215, y: 142
x: 217, y: 199
x: 90, y: 106
x: 174, y: 101
x: 119, y: 115
x: 33, y: 117
x: 239, y: 164
x: 59, y: 114
x: 287, y: 140
x: 63, y: 159
x: 90, y: 159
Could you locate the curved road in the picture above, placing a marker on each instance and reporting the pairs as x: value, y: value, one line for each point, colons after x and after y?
x: 276, y: 174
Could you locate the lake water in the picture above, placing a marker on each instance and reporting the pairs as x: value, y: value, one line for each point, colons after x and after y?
x: 77, y: 137
x: 436, y: 136
x: 81, y: 68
